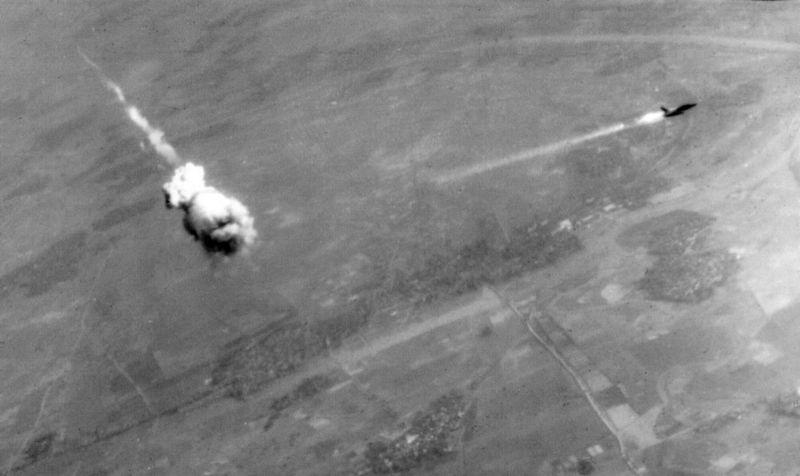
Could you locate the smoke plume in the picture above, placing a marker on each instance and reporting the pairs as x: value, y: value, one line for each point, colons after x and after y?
x: 552, y: 148
x: 221, y: 224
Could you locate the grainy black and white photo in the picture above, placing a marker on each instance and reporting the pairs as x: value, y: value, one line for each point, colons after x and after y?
x: 400, y: 237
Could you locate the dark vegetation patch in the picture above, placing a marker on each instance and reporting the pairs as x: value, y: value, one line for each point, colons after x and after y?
x: 686, y: 268
x: 610, y: 173
x: 29, y: 187
x: 307, y: 389
x: 39, y: 448
x: 584, y: 466
x: 666, y: 425
x: 689, y: 278
x: 430, y: 437
x: 253, y: 361
x: 610, y: 397
x: 454, y: 271
x: 674, y: 232
x: 124, y: 213
x: 486, y: 331
x: 56, y: 264
x: 431, y: 273
x: 785, y: 405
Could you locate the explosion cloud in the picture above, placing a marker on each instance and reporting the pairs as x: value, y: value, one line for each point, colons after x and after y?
x: 222, y: 224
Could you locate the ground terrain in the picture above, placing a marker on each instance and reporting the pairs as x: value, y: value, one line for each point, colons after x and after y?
x: 626, y: 304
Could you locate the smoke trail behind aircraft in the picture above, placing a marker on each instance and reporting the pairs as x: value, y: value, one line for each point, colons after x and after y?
x: 555, y: 147
x: 525, y: 155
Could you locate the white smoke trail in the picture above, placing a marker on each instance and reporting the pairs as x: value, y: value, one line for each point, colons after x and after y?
x: 528, y: 154
x: 154, y: 136
x: 460, y: 174
x: 221, y: 223
x: 650, y: 118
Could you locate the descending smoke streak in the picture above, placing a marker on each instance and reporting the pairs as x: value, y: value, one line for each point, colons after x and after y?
x: 154, y: 136
x: 528, y: 154
x: 90, y: 62
x: 106, y: 80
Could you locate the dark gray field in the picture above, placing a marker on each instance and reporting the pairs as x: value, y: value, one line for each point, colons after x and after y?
x: 460, y: 268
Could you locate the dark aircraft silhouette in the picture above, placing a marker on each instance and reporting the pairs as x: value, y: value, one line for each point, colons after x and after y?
x: 678, y: 110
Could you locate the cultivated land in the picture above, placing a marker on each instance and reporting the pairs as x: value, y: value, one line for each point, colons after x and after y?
x: 625, y: 304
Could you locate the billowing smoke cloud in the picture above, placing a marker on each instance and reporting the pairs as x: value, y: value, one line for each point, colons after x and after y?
x: 220, y: 223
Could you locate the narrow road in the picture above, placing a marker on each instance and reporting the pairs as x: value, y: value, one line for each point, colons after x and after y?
x: 548, y: 344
